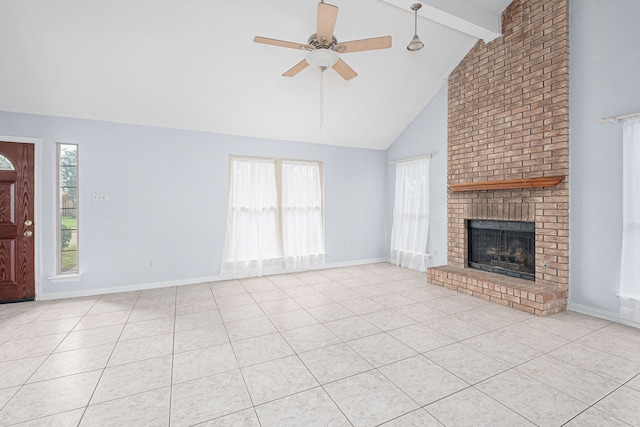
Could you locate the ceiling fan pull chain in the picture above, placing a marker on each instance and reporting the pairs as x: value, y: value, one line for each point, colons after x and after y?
x: 321, y: 98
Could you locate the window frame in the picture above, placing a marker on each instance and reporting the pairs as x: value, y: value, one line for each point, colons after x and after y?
x: 278, y: 166
x: 59, y: 191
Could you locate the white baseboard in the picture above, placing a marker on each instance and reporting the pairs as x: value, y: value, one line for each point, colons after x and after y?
x: 181, y: 282
x: 602, y: 314
x: 125, y: 288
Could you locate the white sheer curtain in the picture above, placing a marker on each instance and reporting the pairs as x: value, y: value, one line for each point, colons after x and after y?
x: 411, y: 215
x: 630, y: 265
x: 252, y: 243
x: 302, y: 221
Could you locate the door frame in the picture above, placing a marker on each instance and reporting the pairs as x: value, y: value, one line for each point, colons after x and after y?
x: 37, y: 208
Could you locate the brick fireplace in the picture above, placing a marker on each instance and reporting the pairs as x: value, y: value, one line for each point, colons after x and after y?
x: 508, y: 154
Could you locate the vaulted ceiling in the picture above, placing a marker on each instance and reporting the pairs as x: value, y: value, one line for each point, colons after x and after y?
x: 192, y: 64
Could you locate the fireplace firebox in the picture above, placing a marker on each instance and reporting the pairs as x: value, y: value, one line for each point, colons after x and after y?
x: 503, y: 247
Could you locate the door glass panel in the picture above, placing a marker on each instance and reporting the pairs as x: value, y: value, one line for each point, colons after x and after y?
x: 7, y: 205
x: 5, y: 164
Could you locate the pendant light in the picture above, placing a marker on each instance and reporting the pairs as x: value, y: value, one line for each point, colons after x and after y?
x: 415, y: 43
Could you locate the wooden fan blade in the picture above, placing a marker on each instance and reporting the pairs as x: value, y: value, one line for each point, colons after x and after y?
x: 364, y: 44
x: 327, y: 15
x: 344, y: 70
x: 281, y: 43
x: 296, y: 68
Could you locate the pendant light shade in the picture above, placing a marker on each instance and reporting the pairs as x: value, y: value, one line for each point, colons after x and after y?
x: 415, y: 43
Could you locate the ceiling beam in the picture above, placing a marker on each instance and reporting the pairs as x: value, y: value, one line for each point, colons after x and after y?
x: 461, y: 15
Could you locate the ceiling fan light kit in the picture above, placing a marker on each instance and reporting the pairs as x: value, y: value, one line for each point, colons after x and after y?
x: 324, y: 48
x: 415, y: 43
x: 322, y: 58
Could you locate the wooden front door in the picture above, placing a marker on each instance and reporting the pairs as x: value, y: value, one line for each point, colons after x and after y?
x: 17, y: 275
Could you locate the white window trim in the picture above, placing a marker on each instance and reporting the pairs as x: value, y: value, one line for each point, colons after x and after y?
x: 60, y: 276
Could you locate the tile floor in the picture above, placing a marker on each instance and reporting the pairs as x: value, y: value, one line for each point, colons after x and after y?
x: 354, y: 346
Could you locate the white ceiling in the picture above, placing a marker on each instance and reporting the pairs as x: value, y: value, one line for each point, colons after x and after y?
x: 192, y: 64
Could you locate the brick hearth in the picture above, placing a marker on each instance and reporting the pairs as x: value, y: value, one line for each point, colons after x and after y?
x: 512, y: 292
x: 508, y: 119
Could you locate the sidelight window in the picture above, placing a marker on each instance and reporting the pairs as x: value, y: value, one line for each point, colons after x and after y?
x: 68, y: 242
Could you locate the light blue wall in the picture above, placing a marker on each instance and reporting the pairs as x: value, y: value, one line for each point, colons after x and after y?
x: 605, y: 81
x: 426, y: 135
x: 168, y: 200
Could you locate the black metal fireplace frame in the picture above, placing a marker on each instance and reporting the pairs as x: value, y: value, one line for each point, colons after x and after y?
x: 515, y: 226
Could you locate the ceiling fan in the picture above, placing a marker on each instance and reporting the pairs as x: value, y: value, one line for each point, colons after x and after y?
x: 323, y: 47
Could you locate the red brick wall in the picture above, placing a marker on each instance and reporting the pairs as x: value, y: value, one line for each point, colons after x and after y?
x: 509, y: 119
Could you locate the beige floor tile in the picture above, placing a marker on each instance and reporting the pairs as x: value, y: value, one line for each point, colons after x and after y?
x: 327, y: 313
x: 64, y: 419
x: 245, y: 418
x: 50, y: 397
x: 73, y: 362
x: 597, y: 361
x: 421, y: 379
x: 334, y: 362
x: 572, y: 380
x: 138, y: 314
x: 133, y: 378
x: 241, y: 312
x: 147, y: 328
x: 144, y: 409
x: 202, y: 319
x: 110, y: 306
x: 277, y: 378
x: 419, y: 418
x: 30, y: 347
x: 369, y: 399
x: 200, y: 363
x: 194, y: 339
x: 470, y: 407
x: 93, y: 321
x: 381, y: 349
x: 352, y: 328
x: 17, y: 372
x: 305, y: 409
x: 420, y: 312
x: 91, y: 338
x: 141, y: 349
x: 387, y: 320
x: 361, y: 305
x: 468, y: 364
x: 261, y: 349
x: 614, y: 344
x: 421, y: 338
x: 50, y: 327
x: 538, y: 402
x: 634, y: 383
x: 250, y: 328
x: 310, y: 338
x: 194, y: 402
x: 594, y: 418
x: 623, y: 404
x: 502, y: 348
x: 292, y: 320
x: 279, y: 306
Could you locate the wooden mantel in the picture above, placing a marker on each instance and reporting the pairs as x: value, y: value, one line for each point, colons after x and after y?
x: 508, y: 184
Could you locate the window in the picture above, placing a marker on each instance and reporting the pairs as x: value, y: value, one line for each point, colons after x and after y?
x: 409, y: 233
x: 67, y: 155
x: 5, y: 164
x: 630, y: 268
x: 302, y: 225
x: 275, y: 220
